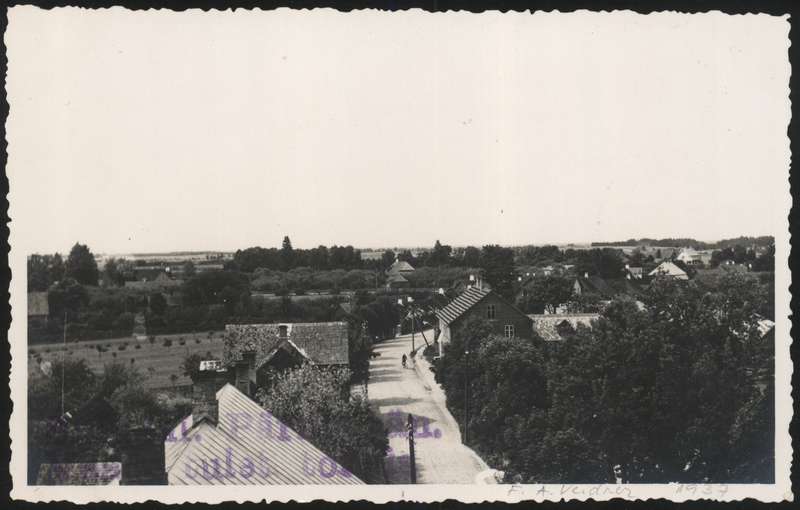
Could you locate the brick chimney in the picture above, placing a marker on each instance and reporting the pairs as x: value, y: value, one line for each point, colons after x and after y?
x: 283, y: 331
x: 245, y: 370
x: 209, y: 379
x: 142, y: 455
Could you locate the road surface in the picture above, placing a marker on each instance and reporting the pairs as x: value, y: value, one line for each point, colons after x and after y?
x: 395, y: 392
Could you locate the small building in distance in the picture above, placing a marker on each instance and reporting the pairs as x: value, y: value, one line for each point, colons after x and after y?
x: 38, y: 306
x: 482, y: 303
x: 692, y: 257
x: 633, y: 273
x: 397, y: 281
x: 668, y: 269
x: 400, y: 267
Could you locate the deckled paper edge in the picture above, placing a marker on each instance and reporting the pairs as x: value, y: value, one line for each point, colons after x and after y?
x: 779, y: 491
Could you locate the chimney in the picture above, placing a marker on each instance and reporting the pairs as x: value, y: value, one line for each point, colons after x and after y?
x: 142, y: 455
x: 210, y: 378
x: 586, y: 274
x: 246, y: 372
x: 283, y: 331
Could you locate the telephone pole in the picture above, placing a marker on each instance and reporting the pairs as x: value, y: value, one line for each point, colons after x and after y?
x: 412, y: 463
x: 63, y: 361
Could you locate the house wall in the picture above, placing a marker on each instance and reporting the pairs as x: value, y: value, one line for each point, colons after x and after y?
x: 504, y: 314
x: 444, y: 336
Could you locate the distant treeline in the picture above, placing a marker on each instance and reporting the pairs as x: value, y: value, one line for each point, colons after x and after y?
x: 287, y: 257
x: 694, y: 243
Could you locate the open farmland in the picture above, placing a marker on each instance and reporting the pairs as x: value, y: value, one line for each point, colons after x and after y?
x: 156, y: 361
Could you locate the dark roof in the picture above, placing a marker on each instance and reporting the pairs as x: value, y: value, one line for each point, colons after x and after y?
x: 245, y: 431
x: 89, y: 473
x: 457, y: 307
x: 323, y: 342
x: 38, y: 304
x: 396, y: 278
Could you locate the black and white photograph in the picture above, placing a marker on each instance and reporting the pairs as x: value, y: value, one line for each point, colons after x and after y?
x: 398, y: 255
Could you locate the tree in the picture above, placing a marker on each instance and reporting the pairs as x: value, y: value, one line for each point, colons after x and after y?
x: 113, y: 273
x: 547, y: 294
x: 191, y: 365
x: 158, y: 303
x: 472, y: 257
x: 67, y: 296
x: 497, y: 263
x: 316, y: 403
x: 38, y: 273
x: 387, y: 259
x: 44, y: 271
x: 188, y: 269
x: 440, y: 255
x: 81, y: 265
x: 407, y: 256
x: 287, y: 253
x: 765, y: 261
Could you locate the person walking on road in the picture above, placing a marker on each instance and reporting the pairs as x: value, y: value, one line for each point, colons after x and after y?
x: 404, y: 360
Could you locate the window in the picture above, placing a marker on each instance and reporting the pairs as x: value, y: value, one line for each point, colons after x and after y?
x: 490, y: 312
x: 508, y: 329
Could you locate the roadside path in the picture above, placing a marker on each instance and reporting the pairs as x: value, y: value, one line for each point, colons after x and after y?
x: 395, y: 392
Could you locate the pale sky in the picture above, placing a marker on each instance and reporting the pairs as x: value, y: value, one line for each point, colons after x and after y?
x: 161, y: 131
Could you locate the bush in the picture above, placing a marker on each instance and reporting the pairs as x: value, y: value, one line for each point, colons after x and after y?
x: 167, y: 342
x: 151, y: 339
x: 197, y: 340
x: 182, y: 341
x: 122, y: 347
x: 138, y: 346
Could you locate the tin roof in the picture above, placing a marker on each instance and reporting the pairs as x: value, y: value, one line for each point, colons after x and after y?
x: 247, y: 446
x: 457, y: 307
x: 325, y: 343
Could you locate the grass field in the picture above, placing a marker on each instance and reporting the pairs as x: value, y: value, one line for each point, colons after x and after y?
x: 156, y: 361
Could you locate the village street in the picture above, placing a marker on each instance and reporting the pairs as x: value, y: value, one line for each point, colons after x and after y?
x: 395, y: 392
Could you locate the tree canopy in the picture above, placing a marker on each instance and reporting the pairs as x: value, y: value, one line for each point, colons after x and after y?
x: 81, y: 265
x: 316, y: 403
x: 647, y: 389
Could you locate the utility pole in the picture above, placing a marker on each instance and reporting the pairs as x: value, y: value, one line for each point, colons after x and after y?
x: 412, y: 464
x: 466, y: 394
x: 63, y: 361
x: 413, y: 327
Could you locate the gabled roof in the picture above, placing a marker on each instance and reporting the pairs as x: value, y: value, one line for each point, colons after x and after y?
x: 286, y: 344
x: 38, y: 304
x: 396, y: 278
x: 668, y: 268
x: 82, y: 473
x: 247, y: 446
x: 325, y: 343
x: 400, y: 266
x: 457, y: 307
